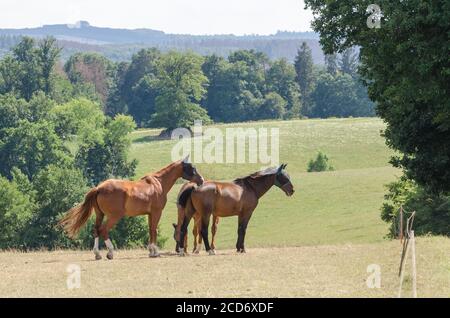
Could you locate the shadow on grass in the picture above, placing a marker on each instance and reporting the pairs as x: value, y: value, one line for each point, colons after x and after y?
x: 146, y: 139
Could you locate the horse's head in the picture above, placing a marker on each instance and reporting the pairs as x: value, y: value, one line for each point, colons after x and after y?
x: 190, y: 173
x: 283, y: 181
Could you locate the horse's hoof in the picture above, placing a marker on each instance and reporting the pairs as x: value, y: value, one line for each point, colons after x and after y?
x: 196, y: 251
x: 182, y: 254
x: 212, y: 252
x: 98, y: 257
x: 110, y: 256
x: 155, y: 255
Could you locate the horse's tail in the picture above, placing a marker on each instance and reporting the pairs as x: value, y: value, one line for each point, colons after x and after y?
x: 185, y: 195
x: 189, y: 210
x: 77, y: 216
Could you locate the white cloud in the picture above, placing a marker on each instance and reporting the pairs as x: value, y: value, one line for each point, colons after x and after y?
x: 171, y: 16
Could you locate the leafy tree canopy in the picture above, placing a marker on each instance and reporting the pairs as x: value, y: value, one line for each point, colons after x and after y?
x: 406, y: 65
x: 181, y: 86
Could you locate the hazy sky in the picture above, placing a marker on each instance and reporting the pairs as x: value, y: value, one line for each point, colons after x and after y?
x: 171, y: 16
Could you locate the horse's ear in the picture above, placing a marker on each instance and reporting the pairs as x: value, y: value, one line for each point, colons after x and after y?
x: 186, y: 160
x: 285, y: 165
x: 174, y: 225
x: 280, y: 168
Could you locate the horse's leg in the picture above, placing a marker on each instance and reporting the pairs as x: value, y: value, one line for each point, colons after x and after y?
x: 181, y: 213
x: 199, y: 235
x: 204, y: 231
x: 189, y: 212
x: 153, y: 220
x: 195, y: 236
x: 214, y: 231
x: 104, y: 233
x: 98, y: 223
x: 242, y: 229
x: 185, y: 243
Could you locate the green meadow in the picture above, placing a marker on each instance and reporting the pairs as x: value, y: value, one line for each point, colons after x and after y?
x: 340, y: 206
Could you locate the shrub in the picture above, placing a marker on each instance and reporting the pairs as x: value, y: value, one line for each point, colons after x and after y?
x: 432, y: 210
x: 16, y: 209
x: 319, y: 164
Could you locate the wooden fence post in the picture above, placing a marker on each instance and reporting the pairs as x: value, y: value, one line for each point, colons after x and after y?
x: 401, y: 224
x: 413, y: 264
x: 402, y: 271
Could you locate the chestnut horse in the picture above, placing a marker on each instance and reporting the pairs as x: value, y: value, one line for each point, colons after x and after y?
x: 223, y: 199
x: 119, y: 198
x: 183, y: 196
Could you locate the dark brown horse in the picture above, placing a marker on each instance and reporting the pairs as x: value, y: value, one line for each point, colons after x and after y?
x: 223, y: 199
x: 119, y: 198
x: 183, y: 196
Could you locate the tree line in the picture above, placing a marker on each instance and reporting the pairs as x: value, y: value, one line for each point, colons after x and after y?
x: 173, y: 89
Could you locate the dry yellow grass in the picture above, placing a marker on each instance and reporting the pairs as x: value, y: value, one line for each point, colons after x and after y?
x: 319, y: 271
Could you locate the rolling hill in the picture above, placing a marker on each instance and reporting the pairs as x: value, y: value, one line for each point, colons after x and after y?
x: 120, y: 44
x: 340, y: 206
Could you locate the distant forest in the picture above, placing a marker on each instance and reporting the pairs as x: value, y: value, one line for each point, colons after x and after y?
x: 120, y: 44
x: 172, y: 89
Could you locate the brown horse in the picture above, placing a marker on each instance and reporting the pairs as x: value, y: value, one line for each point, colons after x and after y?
x: 183, y: 196
x: 223, y: 199
x: 119, y: 198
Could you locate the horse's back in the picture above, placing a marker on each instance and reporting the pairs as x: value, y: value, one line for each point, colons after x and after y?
x: 128, y: 197
x: 222, y: 198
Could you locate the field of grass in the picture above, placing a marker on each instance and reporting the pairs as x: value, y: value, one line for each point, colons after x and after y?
x: 308, y: 271
x: 340, y: 206
x: 318, y: 242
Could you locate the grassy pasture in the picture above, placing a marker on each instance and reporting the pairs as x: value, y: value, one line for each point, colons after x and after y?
x: 340, y: 206
x: 307, y: 271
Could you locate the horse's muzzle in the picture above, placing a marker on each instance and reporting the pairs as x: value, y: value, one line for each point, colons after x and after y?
x: 200, y: 181
x: 288, y: 189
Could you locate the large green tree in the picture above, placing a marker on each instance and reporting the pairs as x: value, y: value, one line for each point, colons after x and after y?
x: 30, y: 67
x: 86, y: 70
x: 181, y: 86
x: 281, y: 80
x: 305, y: 75
x: 16, y: 209
x: 136, y: 89
x: 348, y: 62
x: 80, y: 118
x: 274, y: 107
x: 107, y: 157
x: 57, y: 188
x: 406, y: 66
x: 340, y: 96
x: 31, y: 147
x: 48, y: 53
x: 331, y: 63
x: 217, y: 97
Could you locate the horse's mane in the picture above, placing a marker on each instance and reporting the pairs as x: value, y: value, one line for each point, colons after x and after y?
x: 256, y: 175
x: 161, y: 171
